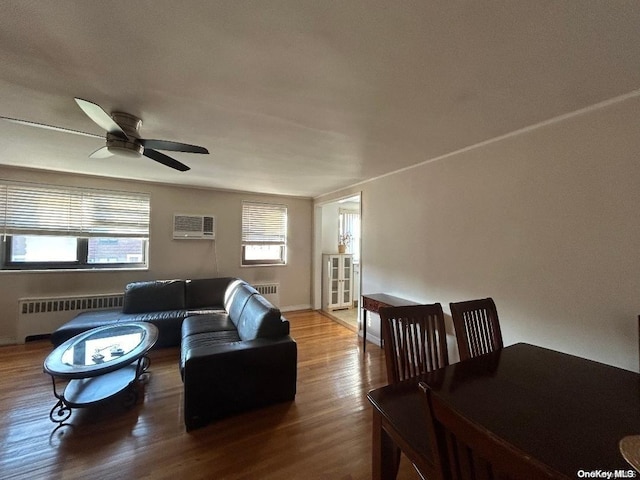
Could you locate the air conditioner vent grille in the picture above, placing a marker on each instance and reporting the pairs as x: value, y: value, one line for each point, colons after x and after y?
x: 193, y: 227
x: 184, y: 223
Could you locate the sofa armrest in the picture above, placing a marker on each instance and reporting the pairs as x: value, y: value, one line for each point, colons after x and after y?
x: 232, y: 377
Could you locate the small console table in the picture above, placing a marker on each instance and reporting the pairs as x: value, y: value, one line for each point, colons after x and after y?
x: 373, y: 303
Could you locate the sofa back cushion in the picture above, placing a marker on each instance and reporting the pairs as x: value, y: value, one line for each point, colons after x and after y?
x: 207, y: 292
x: 238, y: 294
x: 260, y: 319
x: 154, y: 296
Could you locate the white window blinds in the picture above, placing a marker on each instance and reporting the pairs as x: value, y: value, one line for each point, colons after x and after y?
x: 264, y: 224
x: 32, y: 209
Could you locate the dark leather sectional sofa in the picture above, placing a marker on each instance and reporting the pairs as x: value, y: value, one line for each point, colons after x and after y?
x: 235, y: 350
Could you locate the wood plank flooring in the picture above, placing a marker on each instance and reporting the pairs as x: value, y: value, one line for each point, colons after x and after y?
x: 324, y: 434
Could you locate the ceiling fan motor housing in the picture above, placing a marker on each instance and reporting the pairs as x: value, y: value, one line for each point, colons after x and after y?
x: 124, y: 148
x: 130, y: 147
x: 130, y: 124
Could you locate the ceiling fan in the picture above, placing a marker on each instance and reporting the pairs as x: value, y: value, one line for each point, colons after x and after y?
x: 123, y: 136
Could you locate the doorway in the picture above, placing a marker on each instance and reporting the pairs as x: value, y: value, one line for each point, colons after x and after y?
x: 339, y: 223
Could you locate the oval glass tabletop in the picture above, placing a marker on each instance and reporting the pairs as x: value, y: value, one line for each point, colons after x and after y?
x: 101, y: 350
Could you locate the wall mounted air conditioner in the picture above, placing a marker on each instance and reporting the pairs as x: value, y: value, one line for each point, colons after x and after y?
x: 194, y: 227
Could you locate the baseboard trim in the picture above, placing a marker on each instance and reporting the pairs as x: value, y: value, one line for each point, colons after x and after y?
x: 373, y: 339
x: 8, y: 341
x: 291, y: 308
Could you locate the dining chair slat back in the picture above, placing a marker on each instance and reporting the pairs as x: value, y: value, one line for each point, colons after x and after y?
x: 415, y: 340
x: 477, y: 327
x: 463, y: 450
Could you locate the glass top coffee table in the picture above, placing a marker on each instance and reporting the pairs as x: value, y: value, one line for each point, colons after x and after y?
x: 99, y: 364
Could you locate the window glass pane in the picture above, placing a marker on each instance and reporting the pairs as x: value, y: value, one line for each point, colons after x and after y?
x: 263, y: 252
x: 54, y: 226
x: 349, y: 232
x: 116, y: 250
x: 43, y: 248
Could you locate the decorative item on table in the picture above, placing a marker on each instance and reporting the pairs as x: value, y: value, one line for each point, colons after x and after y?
x: 115, y: 350
x: 344, y: 241
x: 97, y: 357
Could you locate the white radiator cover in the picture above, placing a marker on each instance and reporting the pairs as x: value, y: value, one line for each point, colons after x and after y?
x: 270, y: 291
x: 41, y: 316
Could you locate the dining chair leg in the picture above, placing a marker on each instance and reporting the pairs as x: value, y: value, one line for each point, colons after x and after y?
x: 385, y: 458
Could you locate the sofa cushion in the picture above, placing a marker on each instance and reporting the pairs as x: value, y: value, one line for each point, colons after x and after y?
x: 237, y: 300
x: 204, y: 340
x: 169, y: 323
x: 260, y: 319
x: 207, y: 292
x: 213, y: 322
x: 154, y: 296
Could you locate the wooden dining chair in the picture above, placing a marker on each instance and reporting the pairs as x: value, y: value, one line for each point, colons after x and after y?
x: 415, y: 340
x: 477, y: 327
x: 464, y: 450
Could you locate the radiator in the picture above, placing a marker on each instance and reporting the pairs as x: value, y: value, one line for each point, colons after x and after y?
x: 41, y: 316
x: 270, y: 291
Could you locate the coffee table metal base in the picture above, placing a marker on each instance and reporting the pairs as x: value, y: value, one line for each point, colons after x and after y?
x: 82, y: 392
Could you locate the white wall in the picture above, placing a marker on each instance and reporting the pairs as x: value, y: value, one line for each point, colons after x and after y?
x: 330, y: 228
x: 546, y: 221
x: 170, y: 258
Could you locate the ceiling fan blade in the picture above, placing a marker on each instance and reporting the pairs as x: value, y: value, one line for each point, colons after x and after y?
x: 102, y: 152
x: 50, y: 127
x: 102, y: 118
x: 165, y: 160
x: 172, y: 146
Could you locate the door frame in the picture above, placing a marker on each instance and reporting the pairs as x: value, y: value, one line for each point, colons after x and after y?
x: 317, y: 251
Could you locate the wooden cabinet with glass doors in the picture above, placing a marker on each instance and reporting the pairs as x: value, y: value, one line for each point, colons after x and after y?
x: 337, y: 291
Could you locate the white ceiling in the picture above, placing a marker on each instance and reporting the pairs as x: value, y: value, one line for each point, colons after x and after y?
x: 302, y: 97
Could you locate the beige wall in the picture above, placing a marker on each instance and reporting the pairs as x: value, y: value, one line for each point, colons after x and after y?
x: 546, y: 221
x: 170, y: 258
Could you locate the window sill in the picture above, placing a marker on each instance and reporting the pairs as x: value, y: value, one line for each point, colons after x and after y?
x: 77, y: 270
x: 264, y: 265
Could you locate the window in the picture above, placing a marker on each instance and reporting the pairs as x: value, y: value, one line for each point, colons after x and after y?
x: 51, y: 227
x: 349, y: 231
x: 264, y: 234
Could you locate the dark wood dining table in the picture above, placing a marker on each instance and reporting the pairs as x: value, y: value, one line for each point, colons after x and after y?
x: 565, y: 411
